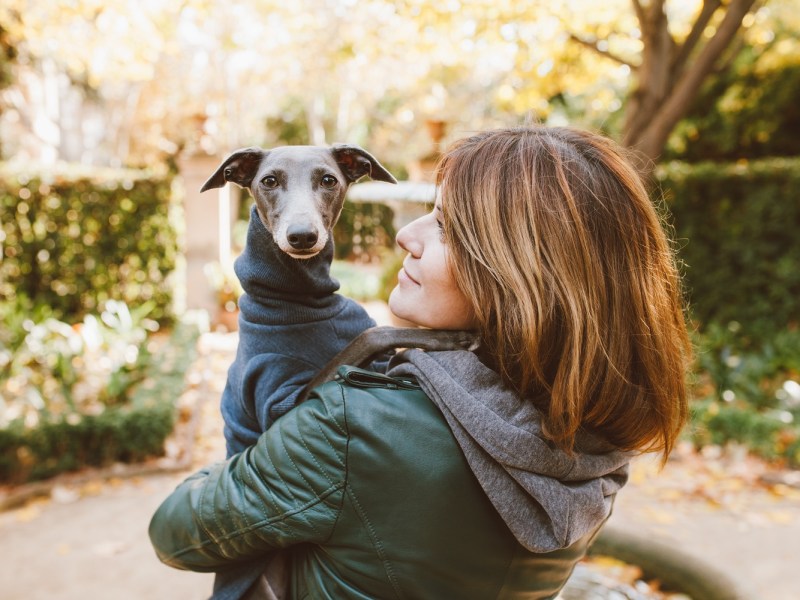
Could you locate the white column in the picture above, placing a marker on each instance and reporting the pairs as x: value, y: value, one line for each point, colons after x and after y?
x: 208, y: 230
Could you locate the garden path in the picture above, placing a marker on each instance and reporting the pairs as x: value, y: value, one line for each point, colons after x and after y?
x: 89, y: 540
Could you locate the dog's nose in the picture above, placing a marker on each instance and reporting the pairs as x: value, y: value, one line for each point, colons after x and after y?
x: 301, y: 237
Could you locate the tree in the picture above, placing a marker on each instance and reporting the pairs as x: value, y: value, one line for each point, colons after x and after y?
x: 653, y: 55
x: 670, y: 70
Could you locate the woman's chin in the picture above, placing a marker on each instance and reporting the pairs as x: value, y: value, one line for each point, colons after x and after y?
x: 399, y: 312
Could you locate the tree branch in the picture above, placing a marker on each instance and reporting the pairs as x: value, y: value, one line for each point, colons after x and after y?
x: 689, y: 44
x: 592, y: 45
x: 654, y: 136
x: 637, y: 7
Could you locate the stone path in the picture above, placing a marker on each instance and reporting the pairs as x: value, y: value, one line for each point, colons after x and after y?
x: 89, y: 540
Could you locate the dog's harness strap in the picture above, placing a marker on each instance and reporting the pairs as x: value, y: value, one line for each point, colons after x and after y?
x: 376, y: 341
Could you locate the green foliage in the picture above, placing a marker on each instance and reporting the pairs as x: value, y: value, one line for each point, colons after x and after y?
x: 290, y: 127
x: 358, y: 281
x: 736, y: 226
x: 739, y: 366
x: 747, y: 392
x: 764, y: 434
x: 364, y: 231
x: 74, y: 241
x: 122, y: 435
x: 749, y: 111
x: 127, y: 430
x: 390, y: 268
x: 8, y: 56
x: 53, y: 369
x: 226, y: 286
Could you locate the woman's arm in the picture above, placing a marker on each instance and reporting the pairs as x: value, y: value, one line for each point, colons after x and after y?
x: 285, y: 490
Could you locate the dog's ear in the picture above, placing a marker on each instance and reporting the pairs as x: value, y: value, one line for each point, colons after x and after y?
x: 356, y: 162
x: 239, y: 168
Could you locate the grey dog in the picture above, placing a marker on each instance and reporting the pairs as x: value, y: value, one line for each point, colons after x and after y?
x: 299, y: 192
x: 291, y: 323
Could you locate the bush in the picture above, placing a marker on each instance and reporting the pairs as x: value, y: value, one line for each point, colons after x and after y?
x: 748, y: 111
x: 765, y: 434
x: 364, y: 231
x: 127, y: 434
x: 72, y: 241
x: 736, y: 225
x: 89, y: 395
x: 748, y: 392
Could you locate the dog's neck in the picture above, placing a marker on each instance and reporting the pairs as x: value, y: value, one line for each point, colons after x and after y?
x: 266, y: 272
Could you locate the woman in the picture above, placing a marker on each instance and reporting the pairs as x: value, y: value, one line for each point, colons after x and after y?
x: 479, y: 474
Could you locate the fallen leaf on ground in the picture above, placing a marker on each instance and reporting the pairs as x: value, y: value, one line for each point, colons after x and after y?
x: 63, y: 549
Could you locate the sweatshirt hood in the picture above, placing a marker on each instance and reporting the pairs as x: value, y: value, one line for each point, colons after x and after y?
x: 548, y: 498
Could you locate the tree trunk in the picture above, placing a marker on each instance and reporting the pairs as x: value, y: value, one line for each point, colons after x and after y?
x: 667, y: 82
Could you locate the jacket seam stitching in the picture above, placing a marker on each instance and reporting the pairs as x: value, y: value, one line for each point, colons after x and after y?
x: 252, y: 481
x: 378, y: 545
x: 287, y: 487
x: 201, y: 519
x: 346, y: 464
x: 333, y: 449
x: 264, y: 523
x: 376, y: 542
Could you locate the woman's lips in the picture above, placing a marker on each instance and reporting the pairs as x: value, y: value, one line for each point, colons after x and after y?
x: 403, y: 275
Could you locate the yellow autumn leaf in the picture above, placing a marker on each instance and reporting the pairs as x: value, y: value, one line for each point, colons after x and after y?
x: 27, y: 513
x: 780, y: 517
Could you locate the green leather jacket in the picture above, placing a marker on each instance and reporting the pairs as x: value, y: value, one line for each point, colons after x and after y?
x: 368, y: 492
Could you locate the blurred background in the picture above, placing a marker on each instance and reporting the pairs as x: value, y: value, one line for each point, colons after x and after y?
x: 114, y: 270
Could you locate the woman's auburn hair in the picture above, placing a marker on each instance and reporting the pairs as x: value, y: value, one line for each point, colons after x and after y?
x: 553, y: 239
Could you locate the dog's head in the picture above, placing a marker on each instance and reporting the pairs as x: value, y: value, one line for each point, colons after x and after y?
x: 299, y: 190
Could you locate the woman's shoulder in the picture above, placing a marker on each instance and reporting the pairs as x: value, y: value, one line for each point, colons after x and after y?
x: 355, y: 389
x: 374, y: 404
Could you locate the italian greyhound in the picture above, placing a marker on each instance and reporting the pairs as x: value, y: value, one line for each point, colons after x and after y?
x: 291, y: 321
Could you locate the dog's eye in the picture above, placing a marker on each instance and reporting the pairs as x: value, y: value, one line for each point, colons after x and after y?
x: 329, y: 181
x: 270, y: 181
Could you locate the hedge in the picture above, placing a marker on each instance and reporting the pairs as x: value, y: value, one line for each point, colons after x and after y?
x: 737, y: 229
x: 122, y: 433
x: 72, y: 240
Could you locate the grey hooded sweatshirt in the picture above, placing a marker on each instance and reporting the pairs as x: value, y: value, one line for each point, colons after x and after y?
x: 547, y: 498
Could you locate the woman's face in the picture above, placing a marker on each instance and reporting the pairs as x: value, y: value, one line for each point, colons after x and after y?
x: 426, y: 292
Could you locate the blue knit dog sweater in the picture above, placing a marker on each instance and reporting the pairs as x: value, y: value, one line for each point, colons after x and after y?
x: 291, y: 323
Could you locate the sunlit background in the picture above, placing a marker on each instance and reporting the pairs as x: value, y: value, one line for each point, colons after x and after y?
x: 123, y: 83
x: 118, y: 301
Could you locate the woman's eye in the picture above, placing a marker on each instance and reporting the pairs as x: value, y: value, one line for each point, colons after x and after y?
x: 329, y: 181
x: 270, y: 181
x: 440, y: 227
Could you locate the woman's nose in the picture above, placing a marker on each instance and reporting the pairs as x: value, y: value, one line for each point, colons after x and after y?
x: 408, y: 241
